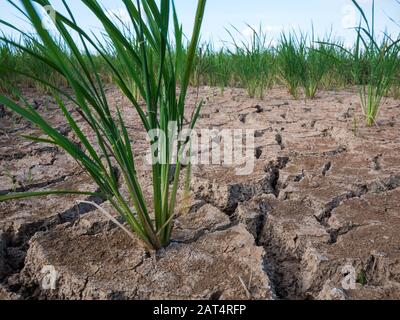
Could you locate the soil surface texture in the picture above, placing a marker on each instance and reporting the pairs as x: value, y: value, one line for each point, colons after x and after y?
x: 317, y: 218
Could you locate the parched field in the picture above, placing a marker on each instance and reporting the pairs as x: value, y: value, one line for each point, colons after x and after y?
x: 319, y: 218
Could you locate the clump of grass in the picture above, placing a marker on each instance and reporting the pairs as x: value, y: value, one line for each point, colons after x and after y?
x: 362, y: 278
x: 290, y: 63
x: 395, y: 89
x: 16, y: 62
x: 339, y: 64
x: 375, y: 65
x: 156, y: 73
x: 316, y: 64
x: 7, y: 60
x: 303, y: 63
x: 224, y: 74
x: 213, y: 67
x: 253, y: 62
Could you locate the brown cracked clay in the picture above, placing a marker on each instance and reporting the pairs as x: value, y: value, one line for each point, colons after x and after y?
x: 109, y: 265
x: 317, y: 219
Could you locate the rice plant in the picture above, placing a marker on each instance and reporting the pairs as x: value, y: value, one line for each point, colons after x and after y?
x: 303, y: 63
x: 156, y: 65
x: 7, y: 59
x: 16, y: 62
x: 213, y: 67
x: 375, y: 65
x: 290, y: 63
x: 253, y: 62
x: 316, y: 64
x: 223, y: 64
x: 339, y: 64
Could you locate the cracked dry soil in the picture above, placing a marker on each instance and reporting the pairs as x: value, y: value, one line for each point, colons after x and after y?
x: 321, y: 207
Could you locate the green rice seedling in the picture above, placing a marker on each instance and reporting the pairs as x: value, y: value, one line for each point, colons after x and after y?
x: 303, y: 63
x: 290, y: 63
x: 312, y: 76
x: 15, y: 62
x: 375, y: 65
x: 253, y: 62
x: 203, y: 71
x: 7, y: 60
x: 338, y: 73
x: 316, y: 64
x: 395, y: 90
x: 223, y: 69
x: 160, y: 74
x: 215, y: 68
x: 40, y: 69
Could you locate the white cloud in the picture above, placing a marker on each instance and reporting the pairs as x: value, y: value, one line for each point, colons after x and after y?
x: 349, y: 19
x: 249, y: 31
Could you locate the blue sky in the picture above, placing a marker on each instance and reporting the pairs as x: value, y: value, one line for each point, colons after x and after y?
x: 275, y: 16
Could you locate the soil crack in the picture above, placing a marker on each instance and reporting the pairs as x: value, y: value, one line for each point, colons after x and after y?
x: 17, y: 245
x: 35, y: 152
x: 271, y: 182
x: 39, y: 185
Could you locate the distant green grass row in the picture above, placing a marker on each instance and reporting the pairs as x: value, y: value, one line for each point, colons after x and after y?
x: 304, y: 65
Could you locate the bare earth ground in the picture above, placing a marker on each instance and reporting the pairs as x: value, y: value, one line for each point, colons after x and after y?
x: 319, y: 218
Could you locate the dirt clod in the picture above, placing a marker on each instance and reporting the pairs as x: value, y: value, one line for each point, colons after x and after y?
x: 197, y: 270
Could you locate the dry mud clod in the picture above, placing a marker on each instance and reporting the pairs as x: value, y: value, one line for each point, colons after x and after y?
x: 210, y: 266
